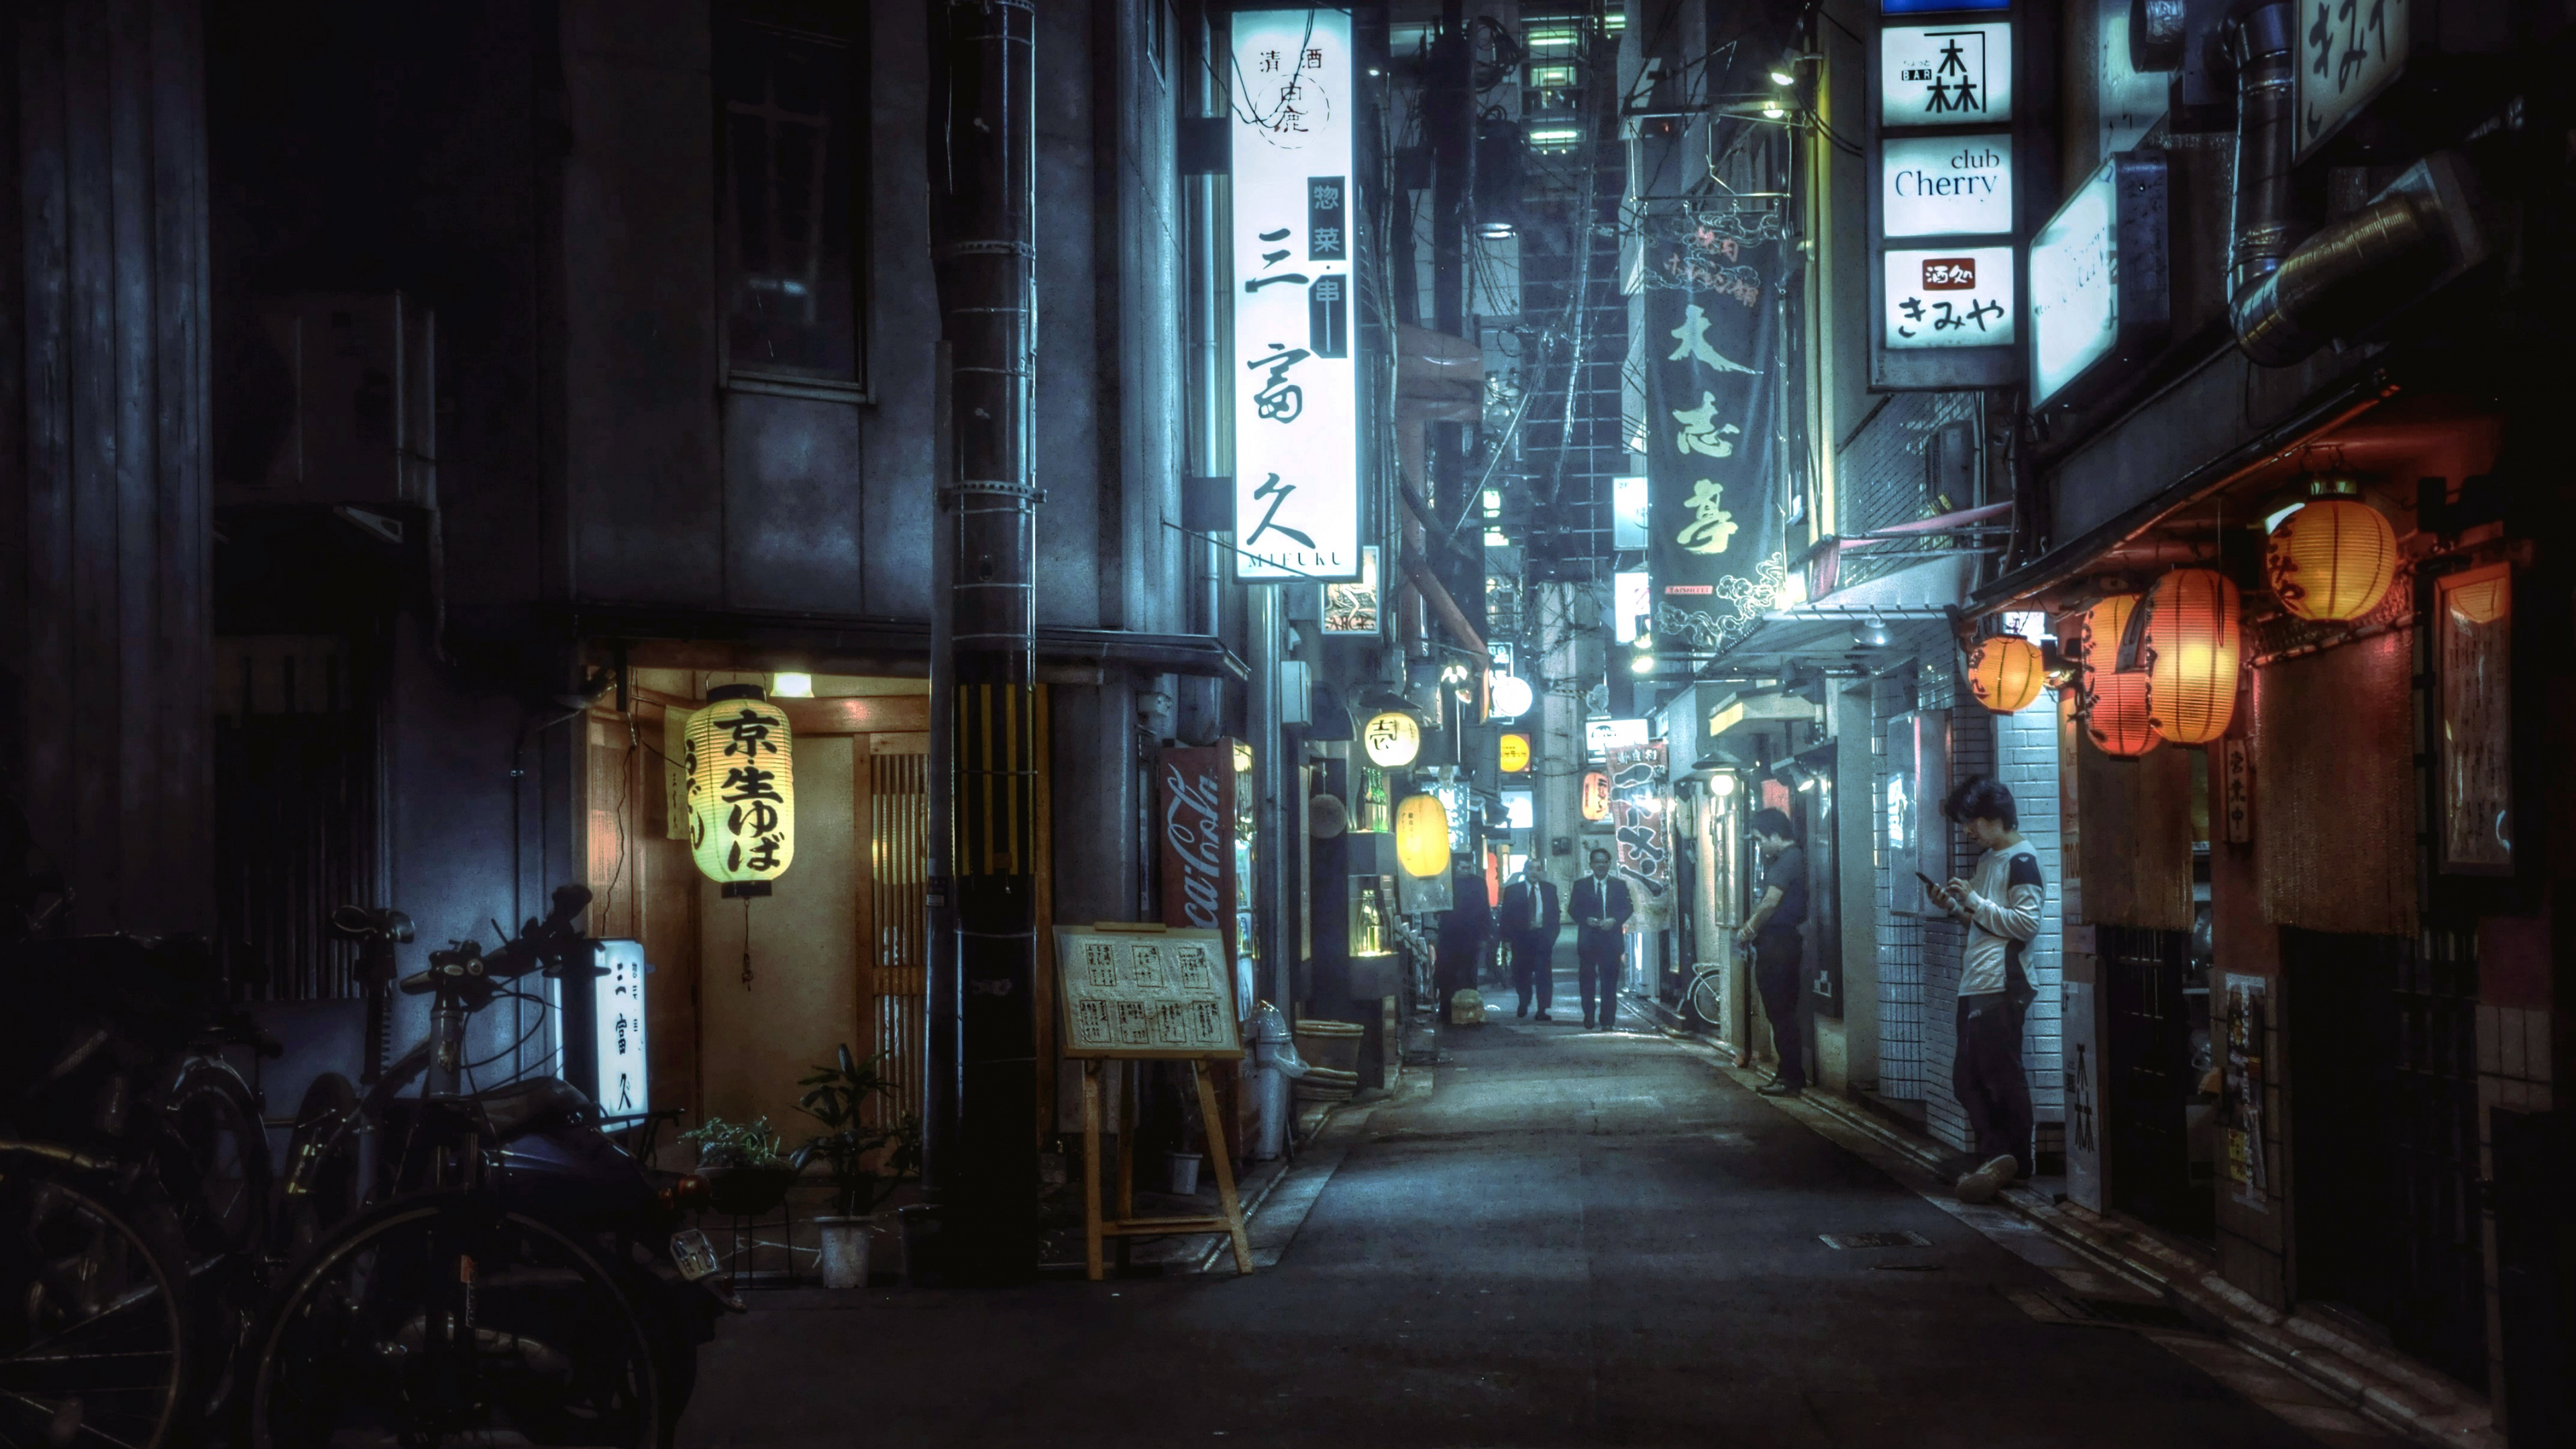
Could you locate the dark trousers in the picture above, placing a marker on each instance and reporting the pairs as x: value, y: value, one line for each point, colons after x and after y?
x: 1598, y: 976
x: 1776, y: 973
x: 1986, y: 1073
x: 1533, y: 972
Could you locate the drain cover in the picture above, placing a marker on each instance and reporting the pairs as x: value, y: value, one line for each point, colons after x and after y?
x: 1874, y: 1240
x: 2050, y: 1305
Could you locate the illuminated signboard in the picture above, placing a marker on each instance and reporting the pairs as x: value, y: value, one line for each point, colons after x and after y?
x: 1520, y: 809
x: 1945, y: 75
x: 624, y: 1079
x: 1296, y: 437
x: 1602, y: 735
x: 1950, y: 297
x: 1596, y: 795
x: 2347, y: 57
x: 1514, y: 754
x: 1946, y: 185
x: 2097, y: 278
x: 1627, y: 513
x: 1352, y: 608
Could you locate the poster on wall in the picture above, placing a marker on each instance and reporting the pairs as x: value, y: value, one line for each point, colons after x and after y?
x: 1716, y: 510
x: 2241, y: 1089
x: 1205, y: 851
x: 1641, y: 824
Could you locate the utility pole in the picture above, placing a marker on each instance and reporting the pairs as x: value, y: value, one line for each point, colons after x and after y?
x: 979, y: 1169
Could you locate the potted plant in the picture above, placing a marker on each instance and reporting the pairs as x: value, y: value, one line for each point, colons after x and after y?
x: 746, y: 1170
x: 865, y: 1164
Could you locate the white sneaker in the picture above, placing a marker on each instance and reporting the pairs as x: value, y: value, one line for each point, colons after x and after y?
x: 1983, y: 1184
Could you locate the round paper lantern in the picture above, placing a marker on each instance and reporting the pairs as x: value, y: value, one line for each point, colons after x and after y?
x: 1596, y: 795
x: 1422, y: 836
x: 1391, y: 738
x: 1513, y: 754
x: 2116, y: 721
x: 742, y: 787
x: 2333, y: 559
x: 1511, y: 696
x: 2193, y: 646
x: 2005, y: 673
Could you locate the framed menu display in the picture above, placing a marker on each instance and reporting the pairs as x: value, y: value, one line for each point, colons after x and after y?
x: 1149, y: 994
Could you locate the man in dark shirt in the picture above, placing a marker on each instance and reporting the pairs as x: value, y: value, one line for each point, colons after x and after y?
x: 1530, y: 922
x: 1775, y: 928
x: 1601, y: 911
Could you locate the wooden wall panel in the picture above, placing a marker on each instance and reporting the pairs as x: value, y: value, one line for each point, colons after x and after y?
x: 112, y: 529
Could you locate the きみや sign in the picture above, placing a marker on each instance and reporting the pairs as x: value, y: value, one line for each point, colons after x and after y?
x: 1950, y: 297
x: 1947, y: 185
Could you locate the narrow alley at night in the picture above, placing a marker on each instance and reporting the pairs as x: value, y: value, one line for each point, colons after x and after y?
x: 1424, y: 724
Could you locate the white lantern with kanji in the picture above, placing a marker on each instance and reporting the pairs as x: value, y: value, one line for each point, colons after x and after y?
x: 742, y: 787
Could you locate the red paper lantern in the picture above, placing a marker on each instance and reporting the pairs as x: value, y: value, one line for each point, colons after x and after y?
x: 2117, y: 719
x: 2333, y: 559
x: 2005, y: 673
x: 2193, y: 648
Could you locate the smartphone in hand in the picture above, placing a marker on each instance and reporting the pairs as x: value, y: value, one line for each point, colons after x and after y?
x: 1934, y: 889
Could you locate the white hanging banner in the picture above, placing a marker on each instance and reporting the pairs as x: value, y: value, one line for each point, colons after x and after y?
x: 1296, y: 412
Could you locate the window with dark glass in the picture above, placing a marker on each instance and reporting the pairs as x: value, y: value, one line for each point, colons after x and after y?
x: 791, y: 128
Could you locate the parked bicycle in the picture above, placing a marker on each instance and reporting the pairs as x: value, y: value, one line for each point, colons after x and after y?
x: 520, y: 1279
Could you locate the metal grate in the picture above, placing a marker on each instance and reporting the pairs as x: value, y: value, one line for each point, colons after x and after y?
x: 899, y: 841
x: 1899, y: 1239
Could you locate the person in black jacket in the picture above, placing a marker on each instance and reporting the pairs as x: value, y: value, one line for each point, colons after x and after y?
x: 1529, y: 920
x: 1464, y: 928
x: 1601, y: 910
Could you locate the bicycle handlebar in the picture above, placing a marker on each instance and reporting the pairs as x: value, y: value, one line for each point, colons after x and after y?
x: 543, y: 945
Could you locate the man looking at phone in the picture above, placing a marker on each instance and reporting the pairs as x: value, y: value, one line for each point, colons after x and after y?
x: 1774, y: 930
x: 1999, y: 902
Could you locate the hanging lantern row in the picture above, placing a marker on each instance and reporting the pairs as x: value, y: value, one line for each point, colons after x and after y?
x: 742, y: 788
x: 1422, y: 836
x: 2193, y: 645
x: 2331, y: 559
x: 2005, y: 673
x: 2115, y: 716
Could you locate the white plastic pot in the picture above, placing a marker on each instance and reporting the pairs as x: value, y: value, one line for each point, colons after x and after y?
x: 845, y: 1251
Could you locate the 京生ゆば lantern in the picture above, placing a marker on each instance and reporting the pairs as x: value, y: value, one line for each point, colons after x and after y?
x: 1422, y: 836
x: 742, y: 787
x: 1391, y: 738
x: 2333, y: 559
x: 2116, y: 718
x: 2194, y: 642
x: 2005, y: 673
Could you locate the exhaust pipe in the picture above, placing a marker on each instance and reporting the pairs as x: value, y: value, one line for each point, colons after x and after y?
x: 2290, y: 296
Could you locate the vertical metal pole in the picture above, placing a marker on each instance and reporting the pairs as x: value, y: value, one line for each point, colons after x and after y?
x: 1261, y: 608
x: 981, y: 1167
x: 1201, y: 716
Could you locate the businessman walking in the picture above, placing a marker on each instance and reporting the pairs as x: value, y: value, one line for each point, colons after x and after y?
x: 1601, y: 910
x: 1530, y: 922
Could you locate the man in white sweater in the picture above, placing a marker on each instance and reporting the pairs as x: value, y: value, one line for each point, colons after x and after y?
x: 1999, y: 903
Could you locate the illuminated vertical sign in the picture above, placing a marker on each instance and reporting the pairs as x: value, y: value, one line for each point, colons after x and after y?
x: 1296, y: 434
x: 619, y: 1065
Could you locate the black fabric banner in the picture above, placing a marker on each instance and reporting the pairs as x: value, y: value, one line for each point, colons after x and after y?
x: 1715, y: 552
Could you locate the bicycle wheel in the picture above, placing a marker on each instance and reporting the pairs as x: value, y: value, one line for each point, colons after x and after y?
x: 447, y: 1320
x: 94, y: 1343
x: 324, y: 1174
x: 222, y: 1162
x: 1704, y: 1002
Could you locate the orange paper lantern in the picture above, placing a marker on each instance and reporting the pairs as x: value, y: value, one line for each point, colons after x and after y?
x: 2116, y: 721
x: 2333, y: 559
x: 1422, y: 836
x: 2193, y: 645
x: 2005, y: 673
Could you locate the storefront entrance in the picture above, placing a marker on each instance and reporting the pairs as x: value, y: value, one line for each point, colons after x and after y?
x: 2382, y: 1043
x: 2154, y: 1000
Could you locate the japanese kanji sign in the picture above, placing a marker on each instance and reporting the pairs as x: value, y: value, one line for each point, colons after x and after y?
x: 1712, y: 509
x: 2349, y: 50
x: 1950, y: 297
x: 1296, y: 438
x: 625, y: 1085
x: 1130, y: 993
x: 1640, y: 821
x: 1942, y: 75
x: 742, y: 787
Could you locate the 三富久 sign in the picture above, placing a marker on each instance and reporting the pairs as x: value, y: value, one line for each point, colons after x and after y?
x: 1296, y: 412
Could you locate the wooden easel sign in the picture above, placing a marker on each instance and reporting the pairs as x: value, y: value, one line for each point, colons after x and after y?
x: 1148, y: 993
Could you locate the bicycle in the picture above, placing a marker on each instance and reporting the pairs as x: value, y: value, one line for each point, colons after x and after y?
x: 520, y: 1274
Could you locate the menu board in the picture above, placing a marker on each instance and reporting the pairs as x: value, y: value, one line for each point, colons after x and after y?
x: 1132, y: 994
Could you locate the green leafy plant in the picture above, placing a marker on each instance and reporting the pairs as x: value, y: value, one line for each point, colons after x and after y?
x: 838, y: 1095
x: 736, y: 1144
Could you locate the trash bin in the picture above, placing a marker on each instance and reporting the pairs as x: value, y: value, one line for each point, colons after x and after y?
x: 1276, y: 1066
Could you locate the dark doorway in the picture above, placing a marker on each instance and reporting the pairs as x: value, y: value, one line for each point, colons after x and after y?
x: 2148, y: 976
x: 2382, y: 1043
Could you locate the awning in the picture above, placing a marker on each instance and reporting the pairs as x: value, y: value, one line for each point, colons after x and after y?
x: 1912, y: 606
x: 686, y: 638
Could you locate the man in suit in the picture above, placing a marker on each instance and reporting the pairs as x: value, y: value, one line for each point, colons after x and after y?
x: 1601, y: 911
x: 1530, y: 922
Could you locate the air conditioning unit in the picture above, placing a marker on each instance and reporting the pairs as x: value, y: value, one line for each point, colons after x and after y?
x: 360, y: 371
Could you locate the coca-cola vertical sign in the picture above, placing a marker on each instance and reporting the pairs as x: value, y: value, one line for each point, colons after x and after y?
x: 1197, y: 791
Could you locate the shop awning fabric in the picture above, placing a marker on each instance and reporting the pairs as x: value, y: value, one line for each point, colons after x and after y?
x: 898, y: 647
